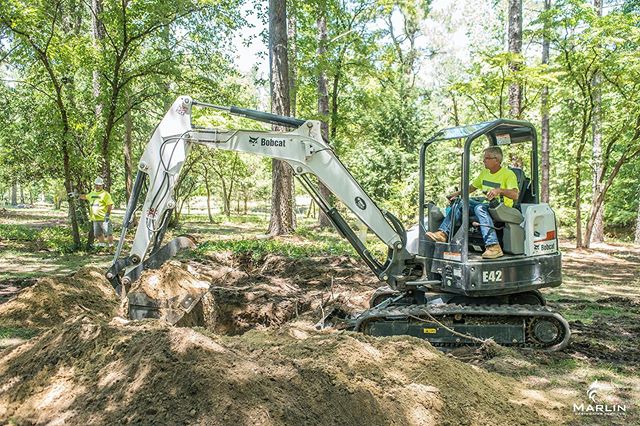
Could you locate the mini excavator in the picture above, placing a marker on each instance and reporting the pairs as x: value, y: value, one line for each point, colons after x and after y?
x: 443, y: 292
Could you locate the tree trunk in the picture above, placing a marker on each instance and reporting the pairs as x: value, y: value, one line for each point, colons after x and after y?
x: 282, y: 220
x: 126, y: 148
x: 334, y: 105
x: 225, y: 199
x: 598, y: 198
x: 515, y: 47
x: 597, y: 232
x: 323, y: 104
x: 544, y: 107
x: 75, y: 231
x: 454, y: 111
x: 636, y: 240
x: 22, y: 194
x: 292, y: 29
x: 578, y: 180
x: 14, y: 193
x: 98, y: 36
x: 208, y: 189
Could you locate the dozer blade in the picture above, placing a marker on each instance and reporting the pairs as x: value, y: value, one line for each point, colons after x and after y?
x: 337, y: 318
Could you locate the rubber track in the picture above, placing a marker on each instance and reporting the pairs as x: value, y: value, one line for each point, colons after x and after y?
x: 496, y: 312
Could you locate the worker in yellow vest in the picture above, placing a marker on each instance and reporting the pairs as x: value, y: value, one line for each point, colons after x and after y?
x: 100, y: 206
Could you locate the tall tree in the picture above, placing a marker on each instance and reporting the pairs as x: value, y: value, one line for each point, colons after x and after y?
x: 597, y: 233
x: 323, y: 96
x: 127, y: 148
x: 544, y: 109
x: 98, y: 37
x: 292, y: 34
x: 589, y: 44
x: 636, y: 240
x: 515, y: 49
x: 282, y: 220
x: 39, y: 29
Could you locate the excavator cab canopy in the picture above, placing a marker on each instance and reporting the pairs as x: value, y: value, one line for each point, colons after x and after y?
x: 457, y: 263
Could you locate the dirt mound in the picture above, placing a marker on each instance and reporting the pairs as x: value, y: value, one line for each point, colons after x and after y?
x: 256, y: 360
x: 10, y: 287
x: 240, y: 295
x: 147, y: 372
x: 51, y: 301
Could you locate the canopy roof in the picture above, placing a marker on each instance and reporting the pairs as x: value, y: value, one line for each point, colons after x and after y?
x: 500, y: 132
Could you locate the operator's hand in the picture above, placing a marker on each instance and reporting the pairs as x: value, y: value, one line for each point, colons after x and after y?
x: 493, y: 193
x: 453, y: 196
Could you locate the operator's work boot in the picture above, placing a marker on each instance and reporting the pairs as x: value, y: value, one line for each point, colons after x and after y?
x: 493, y: 252
x: 438, y: 236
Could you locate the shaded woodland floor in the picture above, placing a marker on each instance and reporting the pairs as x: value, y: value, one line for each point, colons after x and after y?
x: 69, y: 357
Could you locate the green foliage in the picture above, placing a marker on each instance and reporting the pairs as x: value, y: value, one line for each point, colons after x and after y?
x: 380, y: 109
x: 257, y: 249
x: 18, y: 233
x: 55, y: 238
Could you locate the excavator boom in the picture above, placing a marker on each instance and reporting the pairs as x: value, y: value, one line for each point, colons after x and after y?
x: 303, y: 148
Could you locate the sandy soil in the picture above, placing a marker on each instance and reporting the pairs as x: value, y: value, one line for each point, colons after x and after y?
x: 255, y: 357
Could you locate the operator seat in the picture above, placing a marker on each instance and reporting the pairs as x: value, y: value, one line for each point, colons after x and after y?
x: 511, y: 235
x: 510, y: 218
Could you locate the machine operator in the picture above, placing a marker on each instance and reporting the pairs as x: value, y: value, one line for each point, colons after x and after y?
x: 495, y: 181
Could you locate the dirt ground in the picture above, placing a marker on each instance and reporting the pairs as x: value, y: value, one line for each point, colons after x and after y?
x: 70, y: 356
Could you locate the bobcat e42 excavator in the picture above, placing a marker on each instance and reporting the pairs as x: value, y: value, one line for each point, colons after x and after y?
x: 443, y: 292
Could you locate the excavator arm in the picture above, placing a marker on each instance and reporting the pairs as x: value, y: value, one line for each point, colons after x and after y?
x: 303, y: 148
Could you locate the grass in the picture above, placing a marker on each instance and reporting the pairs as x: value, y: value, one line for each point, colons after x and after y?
x: 53, y: 238
x: 17, y: 333
x: 587, y: 314
x: 218, y: 219
x: 259, y: 248
x: 238, y: 236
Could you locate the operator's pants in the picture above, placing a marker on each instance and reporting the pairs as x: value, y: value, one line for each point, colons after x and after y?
x: 101, y: 227
x: 479, y: 210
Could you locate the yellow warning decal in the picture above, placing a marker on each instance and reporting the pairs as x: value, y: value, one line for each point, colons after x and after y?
x: 429, y: 330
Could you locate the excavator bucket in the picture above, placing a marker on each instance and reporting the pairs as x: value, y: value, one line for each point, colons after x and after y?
x: 170, y: 293
x: 164, y: 292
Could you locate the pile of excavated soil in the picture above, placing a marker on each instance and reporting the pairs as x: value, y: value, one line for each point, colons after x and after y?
x: 258, y: 359
x: 147, y: 372
x: 53, y: 300
x: 238, y: 295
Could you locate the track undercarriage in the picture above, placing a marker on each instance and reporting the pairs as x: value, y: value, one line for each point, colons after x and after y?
x: 449, y: 322
x: 463, y: 325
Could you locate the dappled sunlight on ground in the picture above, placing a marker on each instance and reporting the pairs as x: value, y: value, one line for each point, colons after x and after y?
x: 14, y: 264
x: 263, y: 342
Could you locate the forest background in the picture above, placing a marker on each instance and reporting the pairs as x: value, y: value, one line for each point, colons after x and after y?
x: 84, y: 83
